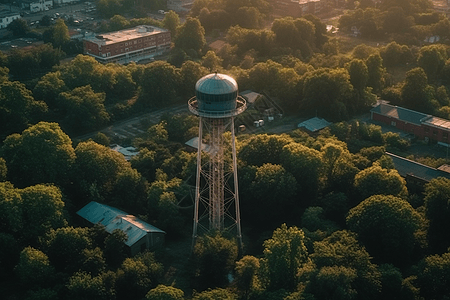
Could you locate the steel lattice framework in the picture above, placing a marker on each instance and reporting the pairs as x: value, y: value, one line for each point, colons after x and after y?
x: 216, y: 195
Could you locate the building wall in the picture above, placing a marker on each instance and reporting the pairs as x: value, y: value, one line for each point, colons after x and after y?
x: 423, y: 131
x: 6, y: 20
x: 415, y: 129
x: 150, y: 241
x: 110, y: 51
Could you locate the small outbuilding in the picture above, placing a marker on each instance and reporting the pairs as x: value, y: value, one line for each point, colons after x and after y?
x: 141, y: 235
x: 314, y: 124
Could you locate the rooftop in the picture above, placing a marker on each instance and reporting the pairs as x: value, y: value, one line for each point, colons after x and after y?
x: 216, y: 84
x: 408, y: 167
x: 125, y: 34
x: 314, y: 124
x: 400, y: 113
x: 114, y: 218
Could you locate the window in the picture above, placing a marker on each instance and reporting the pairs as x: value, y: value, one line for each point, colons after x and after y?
x: 444, y: 135
x: 434, y: 132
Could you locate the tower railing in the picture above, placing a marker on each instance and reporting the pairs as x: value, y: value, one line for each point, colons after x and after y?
x: 241, y: 105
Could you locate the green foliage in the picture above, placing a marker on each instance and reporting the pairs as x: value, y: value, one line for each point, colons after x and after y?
x: 386, y: 225
x: 64, y: 247
x: 34, y: 269
x: 163, y: 292
x: 416, y: 92
x: 99, y: 169
x: 437, y: 193
x: 263, y: 148
x: 191, y: 35
x: 19, y: 27
x: 213, y: 258
x: 378, y: 181
x: 171, y: 22
x: 60, y: 34
x: 115, y: 251
x: 17, y: 107
x: 85, y: 109
x: 43, y: 153
x: 342, y: 255
x: 246, y: 272
x: 159, y: 84
x: 273, y: 190
x: 215, y: 294
x: 329, y: 93
x: 85, y: 286
x: 284, y: 254
x: 137, y: 276
x: 434, y: 275
x: 391, y: 281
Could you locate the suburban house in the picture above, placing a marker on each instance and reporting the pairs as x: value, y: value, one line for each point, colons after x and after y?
x: 423, y: 126
x: 141, y: 235
x: 124, y: 46
x: 7, y: 17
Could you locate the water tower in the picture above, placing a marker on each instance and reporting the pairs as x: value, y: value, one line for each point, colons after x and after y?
x: 216, y: 103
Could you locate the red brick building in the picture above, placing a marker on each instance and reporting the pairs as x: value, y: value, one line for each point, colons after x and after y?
x: 423, y: 126
x: 128, y: 45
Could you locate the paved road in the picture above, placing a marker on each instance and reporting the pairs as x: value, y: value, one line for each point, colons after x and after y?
x: 134, y: 126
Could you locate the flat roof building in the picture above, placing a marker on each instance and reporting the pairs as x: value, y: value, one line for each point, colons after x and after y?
x: 128, y: 45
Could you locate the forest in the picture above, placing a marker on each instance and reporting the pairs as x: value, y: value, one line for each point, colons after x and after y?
x: 323, y: 217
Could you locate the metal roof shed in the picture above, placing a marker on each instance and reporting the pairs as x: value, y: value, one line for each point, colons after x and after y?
x: 141, y: 235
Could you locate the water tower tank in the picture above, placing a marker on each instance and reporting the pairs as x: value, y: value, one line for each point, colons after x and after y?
x: 216, y: 93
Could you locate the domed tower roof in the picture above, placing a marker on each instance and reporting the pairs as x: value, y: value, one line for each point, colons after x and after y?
x: 216, y: 84
x: 216, y: 96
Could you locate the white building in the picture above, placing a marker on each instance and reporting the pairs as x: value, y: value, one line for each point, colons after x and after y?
x: 7, y: 18
x: 37, y: 5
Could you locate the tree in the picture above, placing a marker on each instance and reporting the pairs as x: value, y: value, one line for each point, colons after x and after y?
x: 97, y: 169
x: 171, y: 22
x: 249, y: 17
x: 378, y: 181
x: 213, y: 259
x: 43, y: 153
x: 376, y: 72
x: 327, y: 92
x: 34, y: 269
x: 432, y: 59
x: 215, y: 294
x: 284, y: 254
x: 247, y: 269
x: 190, y: 73
x: 85, y: 109
x: 359, y: 74
x: 386, y: 225
x: 191, y: 35
x: 163, y: 292
x: 212, y: 62
x: 83, y: 285
x: 43, y: 209
x: 263, y: 148
x: 137, y: 275
x: 342, y: 255
x: 305, y: 164
x: 17, y: 107
x: 64, y: 247
x: 433, y: 276
x: 273, y: 190
x: 415, y: 92
x: 115, y: 248
x: 60, y: 34
x: 118, y: 22
x: 437, y: 193
x: 19, y: 27
x: 160, y: 84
